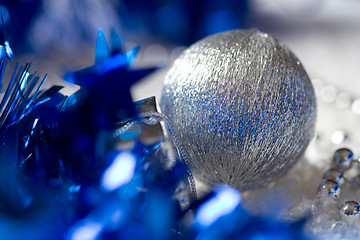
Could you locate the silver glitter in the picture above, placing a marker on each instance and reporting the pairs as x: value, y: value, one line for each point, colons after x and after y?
x: 242, y: 107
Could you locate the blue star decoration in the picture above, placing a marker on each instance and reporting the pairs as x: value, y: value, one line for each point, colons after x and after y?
x: 107, y: 83
x: 103, y: 100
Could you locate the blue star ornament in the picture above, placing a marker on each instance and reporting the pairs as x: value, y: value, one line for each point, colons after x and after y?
x: 108, y: 81
x: 92, y: 112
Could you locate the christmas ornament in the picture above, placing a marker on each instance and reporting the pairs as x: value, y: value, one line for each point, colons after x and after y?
x: 242, y: 107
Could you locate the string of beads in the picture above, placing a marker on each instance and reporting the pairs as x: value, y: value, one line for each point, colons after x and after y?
x: 345, y: 171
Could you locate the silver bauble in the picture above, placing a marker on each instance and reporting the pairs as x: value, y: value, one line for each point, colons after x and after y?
x: 242, y: 107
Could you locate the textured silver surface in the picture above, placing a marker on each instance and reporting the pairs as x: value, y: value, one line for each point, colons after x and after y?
x: 242, y: 107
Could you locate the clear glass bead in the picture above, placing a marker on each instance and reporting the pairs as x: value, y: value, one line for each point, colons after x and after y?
x: 335, y: 175
x: 330, y: 187
x: 350, y: 208
x: 342, y: 158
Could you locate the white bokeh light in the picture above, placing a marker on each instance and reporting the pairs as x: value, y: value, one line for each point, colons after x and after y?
x: 223, y: 203
x: 120, y: 172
